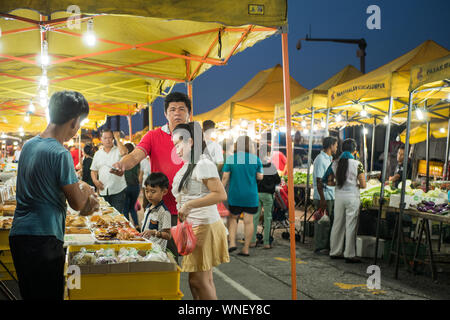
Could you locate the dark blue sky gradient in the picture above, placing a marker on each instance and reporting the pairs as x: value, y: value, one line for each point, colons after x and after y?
x: 404, y: 25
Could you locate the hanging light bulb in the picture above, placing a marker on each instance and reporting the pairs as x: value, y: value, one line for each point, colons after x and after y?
x: 442, y: 130
x: 305, y: 131
x: 338, y: 118
x: 89, y: 37
x: 31, y: 107
x: 363, y: 113
x: 27, y: 118
x: 365, y: 131
x: 283, y: 129
x: 303, y: 123
x: 258, y: 121
x: 419, y: 114
x: 244, y: 124
x: 386, y: 120
x: 44, y: 58
x: 322, y: 123
x: 43, y: 81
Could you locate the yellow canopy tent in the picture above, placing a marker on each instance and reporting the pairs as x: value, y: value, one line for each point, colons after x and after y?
x: 317, y: 97
x: 433, y: 78
x: 141, y: 49
x: 419, y: 132
x: 374, y: 90
x: 255, y: 100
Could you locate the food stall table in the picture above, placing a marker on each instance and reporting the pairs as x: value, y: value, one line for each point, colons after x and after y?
x: 424, y: 226
x: 6, y: 263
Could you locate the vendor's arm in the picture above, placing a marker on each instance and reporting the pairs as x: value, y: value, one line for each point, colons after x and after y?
x: 225, y: 178
x: 81, y: 197
x: 395, y: 177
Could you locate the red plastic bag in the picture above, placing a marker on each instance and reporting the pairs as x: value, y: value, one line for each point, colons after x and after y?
x: 137, y: 206
x: 319, y: 213
x: 184, y: 237
x: 223, y: 211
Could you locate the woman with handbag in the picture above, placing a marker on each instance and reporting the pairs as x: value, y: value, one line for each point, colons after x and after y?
x: 198, y: 190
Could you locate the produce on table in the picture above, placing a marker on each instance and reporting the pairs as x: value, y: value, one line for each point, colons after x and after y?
x: 431, y: 207
x: 299, y: 178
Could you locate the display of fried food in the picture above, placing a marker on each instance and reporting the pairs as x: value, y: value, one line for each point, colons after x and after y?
x: 8, y: 209
x: 75, y: 230
x: 10, y: 202
x: 75, y: 221
x: 107, y: 210
x: 6, y: 223
x: 95, y: 218
x: 106, y: 234
x: 104, y: 221
x: 129, y: 234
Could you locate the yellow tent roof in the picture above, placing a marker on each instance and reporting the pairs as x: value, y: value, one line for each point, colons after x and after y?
x: 255, y: 100
x: 318, y: 96
x: 418, y: 132
x: 431, y: 75
x: 390, y: 80
x: 142, y: 49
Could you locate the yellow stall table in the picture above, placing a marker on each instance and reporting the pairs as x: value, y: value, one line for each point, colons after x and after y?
x: 125, y: 281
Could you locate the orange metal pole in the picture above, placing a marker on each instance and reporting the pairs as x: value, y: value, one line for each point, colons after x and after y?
x: 189, y: 89
x: 290, y: 162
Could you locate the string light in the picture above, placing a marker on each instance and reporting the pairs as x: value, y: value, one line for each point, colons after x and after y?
x: 386, y: 120
x: 363, y: 113
x: 442, y: 130
x: 45, y: 59
x: 27, y: 118
x: 244, y: 124
x: 303, y: 123
x: 43, y: 81
x: 338, y: 118
x: 322, y: 123
x: 31, y: 107
x: 305, y: 131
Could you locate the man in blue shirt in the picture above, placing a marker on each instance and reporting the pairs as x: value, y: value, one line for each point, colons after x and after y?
x: 46, y: 178
x: 323, y: 195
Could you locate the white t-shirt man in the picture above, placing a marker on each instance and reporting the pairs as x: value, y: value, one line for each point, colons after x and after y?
x: 102, y: 163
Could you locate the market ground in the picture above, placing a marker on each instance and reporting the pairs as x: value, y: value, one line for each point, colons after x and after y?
x: 266, y: 275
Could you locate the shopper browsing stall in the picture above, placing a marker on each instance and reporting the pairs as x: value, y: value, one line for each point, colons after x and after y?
x: 109, y: 186
x: 323, y: 194
x: 133, y: 177
x: 156, y: 225
x: 347, y: 174
x: 198, y: 190
x: 46, y: 178
x: 266, y: 190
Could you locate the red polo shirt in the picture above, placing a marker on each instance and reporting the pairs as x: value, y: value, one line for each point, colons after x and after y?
x: 158, y: 145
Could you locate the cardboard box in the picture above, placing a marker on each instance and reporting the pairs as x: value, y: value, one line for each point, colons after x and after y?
x: 365, y: 246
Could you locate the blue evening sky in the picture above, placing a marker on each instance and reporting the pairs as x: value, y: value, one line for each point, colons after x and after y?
x: 404, y: 26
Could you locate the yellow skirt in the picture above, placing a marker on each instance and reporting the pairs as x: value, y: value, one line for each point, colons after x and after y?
x: 211, y: 248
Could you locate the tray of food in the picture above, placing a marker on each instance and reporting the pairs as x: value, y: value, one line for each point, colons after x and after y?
x: 77, y: 230
x: 7, y: 209
x: 6, y: 223
x: 76, y: 221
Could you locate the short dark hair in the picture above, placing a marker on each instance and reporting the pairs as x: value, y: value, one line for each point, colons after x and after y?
x: 177, y: 97
x: 157, y: 179
x: 402, y: 146
x: 130, y: 147
x: 89, y: 150
x: 246, y: 141
x: 328, y: 142
x: 67, y: 105
x: 208, y: 124
x: 106, y: 130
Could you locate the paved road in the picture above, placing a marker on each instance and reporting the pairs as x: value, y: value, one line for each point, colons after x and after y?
x: 266, y: 275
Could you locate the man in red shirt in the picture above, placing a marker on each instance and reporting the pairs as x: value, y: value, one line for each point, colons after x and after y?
x: 158, y: 145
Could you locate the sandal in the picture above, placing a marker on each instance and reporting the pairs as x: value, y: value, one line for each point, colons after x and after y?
x: 231, y: 249
x: 243, y: 254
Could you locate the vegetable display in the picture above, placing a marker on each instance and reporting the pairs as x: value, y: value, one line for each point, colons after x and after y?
x: 299, y: 178
x: 431, y: 207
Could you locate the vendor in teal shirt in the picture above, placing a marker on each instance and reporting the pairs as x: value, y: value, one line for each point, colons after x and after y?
x: 46, y: 179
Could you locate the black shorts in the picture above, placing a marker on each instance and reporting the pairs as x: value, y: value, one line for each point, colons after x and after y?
x: 238, y: 210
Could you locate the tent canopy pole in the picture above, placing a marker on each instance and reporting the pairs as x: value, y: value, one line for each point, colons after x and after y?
x: 311, y: 132
x: 290, y: 162
x: 383, y: 176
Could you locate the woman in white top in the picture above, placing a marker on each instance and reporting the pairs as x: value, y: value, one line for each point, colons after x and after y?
x: 348, y: 175
x: 198, y: 190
